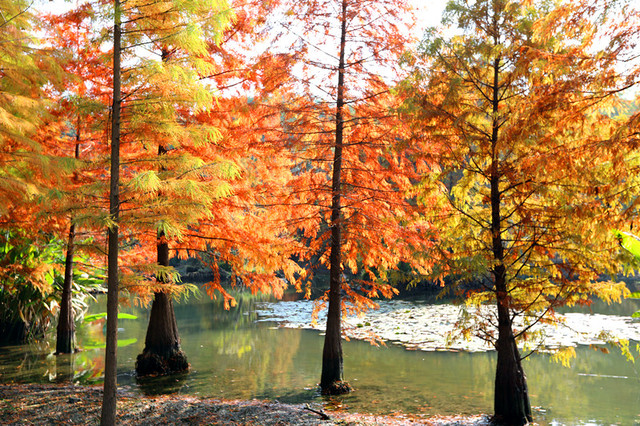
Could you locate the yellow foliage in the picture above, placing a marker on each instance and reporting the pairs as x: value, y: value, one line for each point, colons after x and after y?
x: 564, y: 355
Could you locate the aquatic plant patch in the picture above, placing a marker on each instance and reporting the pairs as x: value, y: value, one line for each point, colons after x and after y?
x: 428, y: 327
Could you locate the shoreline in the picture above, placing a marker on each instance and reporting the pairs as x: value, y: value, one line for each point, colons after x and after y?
x: 47, y: 404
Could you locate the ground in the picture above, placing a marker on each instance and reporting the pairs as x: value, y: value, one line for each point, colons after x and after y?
x: 33, y: 404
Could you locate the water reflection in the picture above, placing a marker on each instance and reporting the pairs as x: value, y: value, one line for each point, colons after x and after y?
x: 232, y: 356
x: 162, y: 385
x: 65, y: 368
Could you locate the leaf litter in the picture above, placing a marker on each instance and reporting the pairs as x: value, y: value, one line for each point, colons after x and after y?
x: 53, y: 404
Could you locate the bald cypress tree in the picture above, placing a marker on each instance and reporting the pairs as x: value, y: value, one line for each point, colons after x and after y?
x: 511, y: 107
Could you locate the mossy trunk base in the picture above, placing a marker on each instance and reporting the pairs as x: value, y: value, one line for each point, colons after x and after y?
x: 151, y: 364
x: 337, y: 388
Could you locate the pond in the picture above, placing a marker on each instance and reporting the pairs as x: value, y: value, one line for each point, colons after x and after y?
x: 235, y: 355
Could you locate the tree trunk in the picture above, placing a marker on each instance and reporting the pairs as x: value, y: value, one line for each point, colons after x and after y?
x: 331, y: 380
x: 108, y: 416
x: 511, y: 398
x: 66, y: 331
x: 162, y: 354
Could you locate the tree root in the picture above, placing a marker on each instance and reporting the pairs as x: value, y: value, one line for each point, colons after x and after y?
x: 151, y: 364
x: 337, y: 388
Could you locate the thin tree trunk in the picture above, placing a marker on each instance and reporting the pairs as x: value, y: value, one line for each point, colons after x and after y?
x: 511, y: 397
x: 331, y: 380
x: 108, y: 417
x: 66, y: 330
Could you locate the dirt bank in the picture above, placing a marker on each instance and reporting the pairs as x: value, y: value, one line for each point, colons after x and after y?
x: 34, y: 404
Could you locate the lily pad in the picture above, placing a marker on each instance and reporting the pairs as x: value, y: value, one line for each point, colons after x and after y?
x: 94, y: 317
x: 121, y: 343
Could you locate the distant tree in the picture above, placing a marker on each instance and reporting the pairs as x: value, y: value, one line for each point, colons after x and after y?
x: 28, y: 130
x: 512, y: 114
x: 37, y: 170
x: 81, y: 109
x: 240, y: 181
x: 26, y: 71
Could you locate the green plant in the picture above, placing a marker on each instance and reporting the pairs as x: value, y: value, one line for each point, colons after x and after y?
x: 26, y: 287
x: 630, y: 243
x: 31, y: 285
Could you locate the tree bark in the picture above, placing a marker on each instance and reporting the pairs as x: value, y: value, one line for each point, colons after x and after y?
x: 162, y: 354
x: 511, y: 397
x: 66, y: 330
x: 108, y: 416
x: 332, y: 363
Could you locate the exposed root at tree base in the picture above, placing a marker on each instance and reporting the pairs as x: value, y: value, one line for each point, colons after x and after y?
x: 337, y: 388
x: 498, y: 421
x: 151, y: 364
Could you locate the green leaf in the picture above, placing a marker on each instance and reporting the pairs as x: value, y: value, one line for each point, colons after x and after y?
x: 146, y: 181
x: 636, y: 314
x: 121, y: 343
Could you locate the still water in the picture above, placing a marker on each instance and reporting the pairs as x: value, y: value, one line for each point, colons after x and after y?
x: 233, y: 356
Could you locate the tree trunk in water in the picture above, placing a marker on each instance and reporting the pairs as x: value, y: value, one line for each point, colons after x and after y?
x: 331, y: 379
x: 66, y: 331
x: 162, y: 354
x: 511, y: 398
x: 108, y: 416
